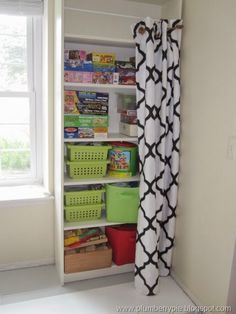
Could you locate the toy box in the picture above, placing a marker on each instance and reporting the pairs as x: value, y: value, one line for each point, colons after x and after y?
x: 75, y: 132
x: 78, y: 77
x: 102, y: 78
x: 84, y: 102
x: 85, y: 260
x: 86, y: 121
x: 102, y: 58
x: 123, y: 159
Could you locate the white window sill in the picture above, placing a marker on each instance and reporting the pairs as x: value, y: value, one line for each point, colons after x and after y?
x: 25, y: 194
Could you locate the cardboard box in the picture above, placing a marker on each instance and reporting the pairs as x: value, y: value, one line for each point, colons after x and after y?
x: 78, y: 77
x: 88, y: 260
x: 102, y: 77
x: 86, y: 121
x: 85, y: 102
x: 102, y: 58
x: 127, y: 72
x: 75, y: 132
x: 75, y: 60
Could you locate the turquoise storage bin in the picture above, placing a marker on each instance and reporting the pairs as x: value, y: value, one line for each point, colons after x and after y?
x: 122, y: 203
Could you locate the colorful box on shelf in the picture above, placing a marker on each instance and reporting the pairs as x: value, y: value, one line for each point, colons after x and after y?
x: 123, y: 158
x: 75, y: 60
x: 102, y: 78
x: 76, y: 132
x: 127, y: 72
x: 84, y: 102
x: 102, y: 58
x: 86, y: 121
x: 78, y: 77
x: 104, y: 68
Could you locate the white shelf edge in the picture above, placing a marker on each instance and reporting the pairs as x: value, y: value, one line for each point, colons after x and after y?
x: 89, y: 224
x: 113, y: 270
x: 111, y: 137
x: 103, y: 180
x: 116, y: 42
x: 100, y: 86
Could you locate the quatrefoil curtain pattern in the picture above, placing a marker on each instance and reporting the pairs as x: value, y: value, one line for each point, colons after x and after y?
x: 158, y: 110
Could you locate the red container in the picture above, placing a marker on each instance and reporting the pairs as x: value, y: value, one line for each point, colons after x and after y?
x: 122, y: 240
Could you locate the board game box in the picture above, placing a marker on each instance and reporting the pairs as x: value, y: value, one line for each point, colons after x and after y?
x: 86, y: 121
x: 85, y: 102
x: 78, y: 77
x: 76, y: 132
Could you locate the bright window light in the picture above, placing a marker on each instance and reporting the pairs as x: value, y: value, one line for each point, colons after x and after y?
x: 18, y: 141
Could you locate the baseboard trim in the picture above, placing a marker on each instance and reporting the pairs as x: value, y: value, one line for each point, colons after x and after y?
x: 185, y: 289
x: 27, y: 264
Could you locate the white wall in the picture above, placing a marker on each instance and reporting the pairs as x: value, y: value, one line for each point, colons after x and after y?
x: 97, y: 23
x: 26, y: 234
x: 206, y: 216
x: 171, y: 9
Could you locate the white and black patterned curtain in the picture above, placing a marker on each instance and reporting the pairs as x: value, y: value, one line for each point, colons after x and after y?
x: 158, y: 109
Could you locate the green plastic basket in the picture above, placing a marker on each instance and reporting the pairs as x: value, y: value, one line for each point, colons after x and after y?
x: 83, y: 197
x: 83, y: 212
x: 87, y: 153
x: 86, y: 169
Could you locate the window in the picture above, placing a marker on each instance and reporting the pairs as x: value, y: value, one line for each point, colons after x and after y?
x: 20, y: 99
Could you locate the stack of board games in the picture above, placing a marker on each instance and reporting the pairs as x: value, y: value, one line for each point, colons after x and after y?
x: 97, y: 68
x: 85, y: 114
x: 77, y: 68
x: 125, y: 72
x: 103, y: 67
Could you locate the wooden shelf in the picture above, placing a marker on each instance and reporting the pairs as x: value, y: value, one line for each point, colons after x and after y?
x: 116, y: 137
x: 70, y: 182
x: 113, y: 270
x: 118, y: 88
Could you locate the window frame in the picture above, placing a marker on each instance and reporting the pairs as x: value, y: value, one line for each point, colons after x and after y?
x: 34, y: 94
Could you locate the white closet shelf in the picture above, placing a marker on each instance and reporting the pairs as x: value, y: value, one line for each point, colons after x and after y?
x: 110, y: 138
x: 113, y: 270
x: 114, y: 87
x: 116, y: 42
x: 89, y: 224
x: 70, y: 182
